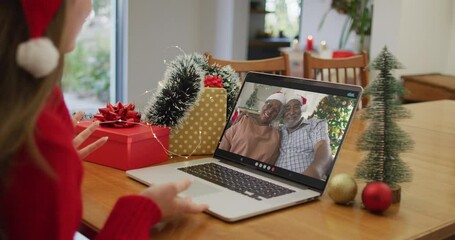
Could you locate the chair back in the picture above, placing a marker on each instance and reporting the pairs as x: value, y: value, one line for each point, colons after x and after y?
x: 277, y: 65
x: 350, y: 70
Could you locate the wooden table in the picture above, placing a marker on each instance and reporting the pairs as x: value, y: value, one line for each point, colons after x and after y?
x: 426, y: 211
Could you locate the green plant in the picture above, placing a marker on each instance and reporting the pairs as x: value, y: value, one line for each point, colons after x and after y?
x: 359, y: 19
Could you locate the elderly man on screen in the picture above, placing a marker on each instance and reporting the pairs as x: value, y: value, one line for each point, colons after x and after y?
x: 305, y: 144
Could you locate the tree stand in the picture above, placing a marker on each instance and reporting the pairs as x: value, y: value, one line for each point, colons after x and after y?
x: 396, y: 194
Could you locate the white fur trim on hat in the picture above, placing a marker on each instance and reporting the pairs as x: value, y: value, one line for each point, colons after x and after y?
x: 38, y: 56
x: 277, y: 96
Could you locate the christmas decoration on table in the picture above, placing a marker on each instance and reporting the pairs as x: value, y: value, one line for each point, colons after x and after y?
x: 183, y: 83
x: 231, y: 82
x: 377, y: 196
x: 213, y: 81
x: 383, y: 139
x: 119, y: 115
x: 335, y: 110
x: 127, y: 147
x: 194, y: 101
x: 342, y: 188
x: 201, y: 130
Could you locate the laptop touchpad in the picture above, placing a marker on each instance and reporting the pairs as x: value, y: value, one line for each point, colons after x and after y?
x: 199, y: 188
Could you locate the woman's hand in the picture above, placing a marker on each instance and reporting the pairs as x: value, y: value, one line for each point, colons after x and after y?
x: 81, y: 137
x: 165, y: 196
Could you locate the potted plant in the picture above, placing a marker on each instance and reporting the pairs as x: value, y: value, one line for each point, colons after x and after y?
x: 359, y: 18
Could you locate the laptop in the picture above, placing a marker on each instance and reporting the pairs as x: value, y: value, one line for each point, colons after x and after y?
x: 236, y: 186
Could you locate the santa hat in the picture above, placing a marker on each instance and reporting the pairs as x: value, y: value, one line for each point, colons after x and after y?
x: 301, y: 99
x: 38, y: 55
x: 277, y: 96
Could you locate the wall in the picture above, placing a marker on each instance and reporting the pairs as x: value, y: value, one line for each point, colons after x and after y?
x: 418, y: 32
x: 224, y: 28
x: 153, y: 28
x: 156, y: 26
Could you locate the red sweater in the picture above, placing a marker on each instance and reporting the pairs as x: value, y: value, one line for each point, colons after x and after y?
x: 35, y: 206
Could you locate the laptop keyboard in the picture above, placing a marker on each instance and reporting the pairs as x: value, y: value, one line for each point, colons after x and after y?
x: 237, y: 181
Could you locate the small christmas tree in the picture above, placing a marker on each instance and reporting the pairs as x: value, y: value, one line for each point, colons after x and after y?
x: 252, y: 100
x: 335, y: 110
x: 383, y: 138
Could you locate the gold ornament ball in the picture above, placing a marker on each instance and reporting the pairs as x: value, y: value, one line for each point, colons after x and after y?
x: 342, y: 188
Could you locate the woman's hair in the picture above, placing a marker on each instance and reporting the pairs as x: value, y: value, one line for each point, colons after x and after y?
x: 22, y: 95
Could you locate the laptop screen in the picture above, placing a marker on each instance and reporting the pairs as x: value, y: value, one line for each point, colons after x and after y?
x: 289, y: 127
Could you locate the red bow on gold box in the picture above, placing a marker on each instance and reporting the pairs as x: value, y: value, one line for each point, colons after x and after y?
x: 213, y: 81
x: 119, y: 116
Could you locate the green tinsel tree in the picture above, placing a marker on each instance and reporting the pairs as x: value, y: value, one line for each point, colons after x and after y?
x: 335, y: 110
x: 383, y: 139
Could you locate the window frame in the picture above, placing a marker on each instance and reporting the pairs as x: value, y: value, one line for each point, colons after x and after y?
x: 119, y: 56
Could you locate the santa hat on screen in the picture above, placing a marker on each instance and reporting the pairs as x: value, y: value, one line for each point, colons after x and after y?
x: 301, y: 99
x: 277, y: 96
x: 38, y: 55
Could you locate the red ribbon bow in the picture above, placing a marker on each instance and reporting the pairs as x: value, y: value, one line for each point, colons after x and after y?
x: 118, y: 116
x: 213, y: 81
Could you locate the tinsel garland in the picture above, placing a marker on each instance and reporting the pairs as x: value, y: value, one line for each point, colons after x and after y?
x: 183, y: 82
x: 383, y: 138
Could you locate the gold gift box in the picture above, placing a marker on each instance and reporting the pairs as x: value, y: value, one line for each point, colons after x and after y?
x: 202, y: 128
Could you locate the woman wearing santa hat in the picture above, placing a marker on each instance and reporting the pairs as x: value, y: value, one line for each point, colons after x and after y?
x: 254, y: 137
x: 40, y: 165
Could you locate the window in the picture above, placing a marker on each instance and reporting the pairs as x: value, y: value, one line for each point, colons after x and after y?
x: 89, y: 79
x: 286, y: 18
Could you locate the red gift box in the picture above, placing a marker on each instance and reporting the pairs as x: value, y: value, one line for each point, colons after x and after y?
x: 128, y: 148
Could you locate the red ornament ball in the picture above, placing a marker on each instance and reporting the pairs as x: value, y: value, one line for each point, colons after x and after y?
x: 377, y: 196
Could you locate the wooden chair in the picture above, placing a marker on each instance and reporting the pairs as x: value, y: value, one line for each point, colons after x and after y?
x: 350, y: 70
x: 277, y: 65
